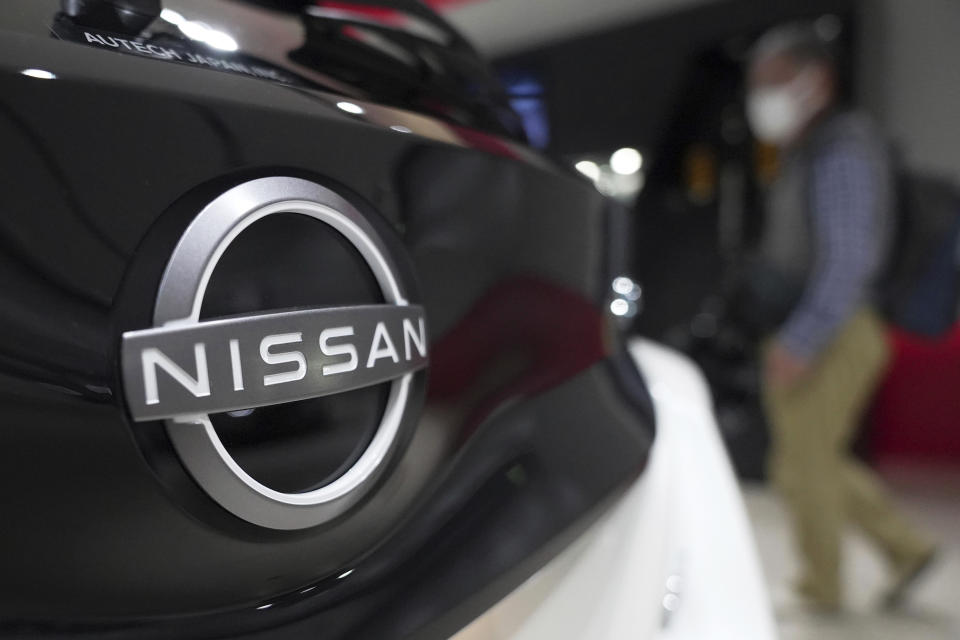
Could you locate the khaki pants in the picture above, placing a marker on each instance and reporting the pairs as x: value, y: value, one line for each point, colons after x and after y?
x: 823, y: 485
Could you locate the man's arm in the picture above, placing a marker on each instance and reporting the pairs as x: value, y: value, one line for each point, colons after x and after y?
x: 844, y: 186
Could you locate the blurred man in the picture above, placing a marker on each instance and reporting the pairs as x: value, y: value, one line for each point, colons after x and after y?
x: 827, y: 234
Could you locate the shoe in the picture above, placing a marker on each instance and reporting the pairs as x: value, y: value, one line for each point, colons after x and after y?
x: 815, y: 602
x: 907, y: 576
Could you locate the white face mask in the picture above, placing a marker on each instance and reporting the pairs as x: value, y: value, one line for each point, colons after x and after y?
x: 777, y: 114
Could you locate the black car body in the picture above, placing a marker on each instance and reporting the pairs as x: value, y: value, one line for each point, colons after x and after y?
x: 118, y: 126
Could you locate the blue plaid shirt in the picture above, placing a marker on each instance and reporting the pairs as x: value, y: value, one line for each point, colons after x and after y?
x: 846, y: 198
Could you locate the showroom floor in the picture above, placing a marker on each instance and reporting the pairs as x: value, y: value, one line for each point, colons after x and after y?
x: 933, y: 500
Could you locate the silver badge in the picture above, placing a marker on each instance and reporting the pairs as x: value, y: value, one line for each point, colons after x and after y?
x: 183, y: 369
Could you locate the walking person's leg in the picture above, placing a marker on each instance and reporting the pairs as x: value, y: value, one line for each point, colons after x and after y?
x: 805, y: 467
x: 869, y: 507
x: 812, y: 424
x: 866, y: 502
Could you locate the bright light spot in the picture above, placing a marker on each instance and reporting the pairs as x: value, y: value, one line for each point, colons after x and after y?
x: 201, y: 32
x: 619, y: 307
x: 344, y: 574
x: 221, y: 40
x: 42, y: 74
x: 194, y: 30
x: 350, y: 107
x: 401, y: 128
x: 671, y: 602
x: 626, y: 161
x: 588, y: 168
x: 264, y: 606
x: 173, y: 17
x: 627, y: 289
x: 623, y: 285
x: 240, y: 413
x: 308, y: 589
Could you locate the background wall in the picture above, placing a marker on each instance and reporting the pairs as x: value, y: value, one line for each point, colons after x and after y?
x: 505, y: 27
x: 910, y: 74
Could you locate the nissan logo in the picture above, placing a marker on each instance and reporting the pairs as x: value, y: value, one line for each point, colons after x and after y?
x: 184, y: 368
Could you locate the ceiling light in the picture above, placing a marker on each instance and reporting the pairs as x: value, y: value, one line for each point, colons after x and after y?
x: 588, y: 168
x: 626, y: 161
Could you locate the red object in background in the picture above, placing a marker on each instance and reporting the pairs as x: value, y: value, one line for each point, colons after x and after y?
x: 483, y: 141
x: 916, y: 413
x: 372, y: 10
x: 549, y: 333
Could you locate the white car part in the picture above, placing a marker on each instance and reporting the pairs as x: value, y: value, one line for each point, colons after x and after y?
x: 673, y: 560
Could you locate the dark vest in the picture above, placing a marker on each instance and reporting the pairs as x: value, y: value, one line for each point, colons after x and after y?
x: 787, y: 244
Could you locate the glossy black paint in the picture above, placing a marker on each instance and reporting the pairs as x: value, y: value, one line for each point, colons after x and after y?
x: 295, y: 446
x: 531, y: 421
